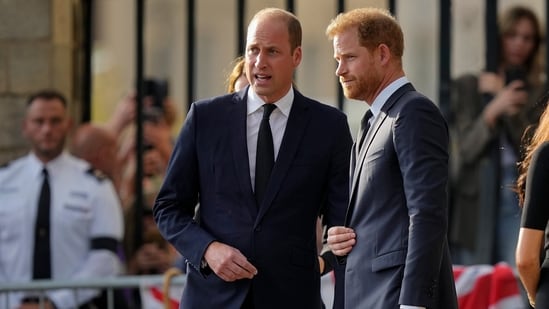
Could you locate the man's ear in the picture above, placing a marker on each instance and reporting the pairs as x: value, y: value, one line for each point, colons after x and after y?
x: 383, y: 54
x: 297, y: 56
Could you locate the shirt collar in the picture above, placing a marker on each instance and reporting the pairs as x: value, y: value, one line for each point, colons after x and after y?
x: 284, y: 104
x: 52, y: 166
x: 385, y: 94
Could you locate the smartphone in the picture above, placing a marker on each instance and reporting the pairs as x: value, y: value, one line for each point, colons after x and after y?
x: 515, y: 73
x: 157, y: 89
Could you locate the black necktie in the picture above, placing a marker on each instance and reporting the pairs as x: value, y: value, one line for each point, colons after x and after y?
x: 265, y: 154
x: 364, y: 127
x: 42, y: 255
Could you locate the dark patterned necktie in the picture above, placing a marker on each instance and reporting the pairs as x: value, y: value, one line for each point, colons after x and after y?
x: 42, y: 254
x: 265, y: 154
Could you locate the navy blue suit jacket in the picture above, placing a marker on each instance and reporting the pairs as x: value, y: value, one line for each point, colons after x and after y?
x: 210, y: 166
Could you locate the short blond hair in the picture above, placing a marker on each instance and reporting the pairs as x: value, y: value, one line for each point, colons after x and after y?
x: 375, y: 26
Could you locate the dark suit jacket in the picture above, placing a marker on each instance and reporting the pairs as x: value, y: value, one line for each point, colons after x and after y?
x: 210, y: 165
x: 398, y: 209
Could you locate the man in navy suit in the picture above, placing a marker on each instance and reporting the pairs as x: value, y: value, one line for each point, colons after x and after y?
x: 394, y: 243
x: 243, y: 251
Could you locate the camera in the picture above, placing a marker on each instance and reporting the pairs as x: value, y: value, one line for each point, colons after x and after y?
x: 157, y: 89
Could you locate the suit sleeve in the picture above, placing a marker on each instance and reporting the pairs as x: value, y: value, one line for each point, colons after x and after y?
x: 176, y: 201
x: 421, y: 144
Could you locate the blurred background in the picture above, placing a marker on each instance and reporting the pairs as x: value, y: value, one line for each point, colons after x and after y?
x: 89, y: 50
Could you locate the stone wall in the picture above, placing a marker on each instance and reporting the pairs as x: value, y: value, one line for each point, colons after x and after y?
x: 37, y: 50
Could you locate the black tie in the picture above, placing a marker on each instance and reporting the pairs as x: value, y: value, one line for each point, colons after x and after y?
x: 42, y: 255
x: 265, y: 154
x: 364, y: 127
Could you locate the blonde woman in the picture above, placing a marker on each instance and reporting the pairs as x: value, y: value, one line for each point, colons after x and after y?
x: 237, y: 79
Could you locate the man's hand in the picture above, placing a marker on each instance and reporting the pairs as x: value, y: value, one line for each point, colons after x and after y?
x: 124, y: 114
x: 228, y: 263
x: 341, y: 240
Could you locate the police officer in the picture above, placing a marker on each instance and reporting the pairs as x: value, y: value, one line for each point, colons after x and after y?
x: 58, y: 219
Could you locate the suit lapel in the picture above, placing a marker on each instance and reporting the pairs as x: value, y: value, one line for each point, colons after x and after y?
x: 297, y: 122
x: 368, y: 141
x: 357, y: 168
x: 239, y: 144
x: 354, y: 155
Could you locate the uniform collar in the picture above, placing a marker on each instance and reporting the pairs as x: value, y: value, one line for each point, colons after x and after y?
x: 36, y: 166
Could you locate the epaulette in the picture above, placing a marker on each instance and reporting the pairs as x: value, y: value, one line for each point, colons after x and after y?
x: 99, y: 175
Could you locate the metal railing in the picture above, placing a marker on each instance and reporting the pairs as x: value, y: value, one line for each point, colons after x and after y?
x: 109, y: 284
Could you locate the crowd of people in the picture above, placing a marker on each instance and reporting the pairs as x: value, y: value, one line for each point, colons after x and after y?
x: 264, y: 190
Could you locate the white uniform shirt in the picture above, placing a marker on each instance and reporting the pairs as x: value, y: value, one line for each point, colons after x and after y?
x: 84, y: 208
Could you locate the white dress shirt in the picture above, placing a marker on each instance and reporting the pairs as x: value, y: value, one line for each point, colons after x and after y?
x: 385, y: 94
x: 278, y: 121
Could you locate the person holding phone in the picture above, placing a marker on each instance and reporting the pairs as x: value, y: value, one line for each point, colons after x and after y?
x: 489, y: 114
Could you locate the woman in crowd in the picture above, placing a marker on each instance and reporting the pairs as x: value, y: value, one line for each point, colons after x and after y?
x: 490, y: 112
x: 237, y: 78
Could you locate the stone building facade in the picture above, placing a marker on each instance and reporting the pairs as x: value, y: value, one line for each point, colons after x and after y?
x: 39, y: 49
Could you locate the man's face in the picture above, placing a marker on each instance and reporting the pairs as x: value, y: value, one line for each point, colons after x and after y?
x: 270, y: 63
x: 357, y: 68
x: 46, y: 125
